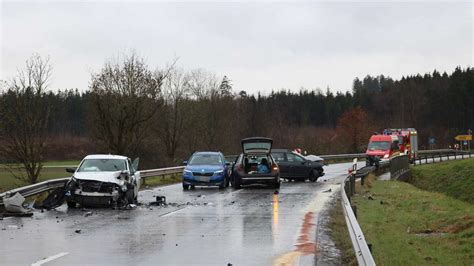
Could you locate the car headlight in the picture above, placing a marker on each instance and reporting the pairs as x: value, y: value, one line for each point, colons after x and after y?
x: 385, y: 156
x: 219, y: 172
x: 187, y: 172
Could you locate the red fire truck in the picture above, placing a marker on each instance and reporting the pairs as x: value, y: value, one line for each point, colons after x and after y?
x: 390, y: 143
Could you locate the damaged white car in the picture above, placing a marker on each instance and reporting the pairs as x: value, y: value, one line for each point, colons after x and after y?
x: 103, y: 180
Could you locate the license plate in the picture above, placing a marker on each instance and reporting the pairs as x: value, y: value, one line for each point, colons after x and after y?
x: 204, y: 178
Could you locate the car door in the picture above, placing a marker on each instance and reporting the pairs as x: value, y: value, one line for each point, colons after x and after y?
x: 135, y: 174
x: 296, y: 164
x: 280, y: 159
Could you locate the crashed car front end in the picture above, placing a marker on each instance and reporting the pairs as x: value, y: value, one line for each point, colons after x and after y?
x: 110, y: 189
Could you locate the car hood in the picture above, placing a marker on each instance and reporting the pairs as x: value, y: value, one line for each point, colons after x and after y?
x: 314, y: 158
x: 205, y: 167
x: 107, y: 177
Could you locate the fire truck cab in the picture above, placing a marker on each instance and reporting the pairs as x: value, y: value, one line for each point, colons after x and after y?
x: 381, y: 148
x: 391, y: 143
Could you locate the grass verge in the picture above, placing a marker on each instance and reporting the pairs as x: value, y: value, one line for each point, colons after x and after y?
x: 410, y: 226
x: 8, y: 181
x: 454, y: 178
x: 340, y: 234
x: 155, y: 181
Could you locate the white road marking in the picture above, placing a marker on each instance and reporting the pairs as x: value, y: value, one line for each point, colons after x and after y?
x: 48, y: 259
x: 172, y: 212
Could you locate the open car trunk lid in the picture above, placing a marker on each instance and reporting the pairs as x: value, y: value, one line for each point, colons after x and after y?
x: 257, y: 145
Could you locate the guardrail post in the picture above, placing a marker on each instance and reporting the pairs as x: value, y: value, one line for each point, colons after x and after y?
x: 440, y: 157
x: 352, y: 185
x: 370, y: 247
x: 455, y: 153
x: 462, y: 155
x: 426, y: 159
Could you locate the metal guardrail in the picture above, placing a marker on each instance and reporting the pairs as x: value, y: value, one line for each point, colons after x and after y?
x: 343, y: 156
x: 35, y: 189
x: 400, y: 167
x: 44, y: 186
x: 362, y: 251
x: 161, y: 171
x: 447, y: 154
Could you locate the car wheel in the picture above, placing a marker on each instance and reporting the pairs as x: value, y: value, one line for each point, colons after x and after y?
x: 71, y: 204
x: 312, y: 177
x: 275, y: 185
x: 130, y: 195
x: 222, y: 185
x: 185, y: 187
x: 235, y: 184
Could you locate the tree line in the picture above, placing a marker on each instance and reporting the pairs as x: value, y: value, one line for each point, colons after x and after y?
x: 163, y: 115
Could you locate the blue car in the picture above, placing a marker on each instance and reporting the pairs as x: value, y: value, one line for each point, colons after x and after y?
x: 206, y: 168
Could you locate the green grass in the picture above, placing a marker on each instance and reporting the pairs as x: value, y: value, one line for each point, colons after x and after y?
x: 340, y: 234
x: 394, y: 222
x: 454, y: 178
x: 161, y: 180
x: 8, y: 181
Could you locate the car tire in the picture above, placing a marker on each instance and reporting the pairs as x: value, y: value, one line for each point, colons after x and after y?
x: 185, y: 187
x: 222, y: 185
x: 275, y: 185
x: 71, y: 204
x: 235, y: 184
x: 312, y: 176
x: 130, y: 195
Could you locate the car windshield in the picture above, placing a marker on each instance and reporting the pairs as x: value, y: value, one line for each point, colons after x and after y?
x: 103, y: 165
x: 210, y: 159
x: 379, y: 145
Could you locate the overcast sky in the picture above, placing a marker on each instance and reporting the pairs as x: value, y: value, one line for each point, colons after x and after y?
x: 259, y: 46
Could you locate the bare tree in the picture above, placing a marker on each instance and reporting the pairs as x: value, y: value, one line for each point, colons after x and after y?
x: 24, y: 118
x: 171, y: 122
x: 126, y: 95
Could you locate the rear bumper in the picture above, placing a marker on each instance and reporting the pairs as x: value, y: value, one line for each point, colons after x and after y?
x: 246, y: 180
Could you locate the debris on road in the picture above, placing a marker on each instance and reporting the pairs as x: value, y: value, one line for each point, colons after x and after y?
x: 326, y: 191
x: 12, y: 214
x: 89, y: 213
x: 14, y: 203
x: 55, y: 199
x: 78, y: 231
x: 160, y: 200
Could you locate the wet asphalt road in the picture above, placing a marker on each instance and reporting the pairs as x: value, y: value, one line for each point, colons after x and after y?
x: 206, y: 226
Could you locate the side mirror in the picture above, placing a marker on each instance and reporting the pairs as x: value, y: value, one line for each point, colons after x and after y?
x: 185, y: 162
x: 71, y: 170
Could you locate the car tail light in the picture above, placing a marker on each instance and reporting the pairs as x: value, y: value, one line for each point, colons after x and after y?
x: 275, y: 168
